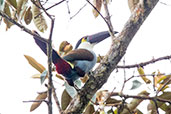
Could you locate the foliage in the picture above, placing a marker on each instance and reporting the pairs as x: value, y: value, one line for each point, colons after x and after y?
x: 21, y: 10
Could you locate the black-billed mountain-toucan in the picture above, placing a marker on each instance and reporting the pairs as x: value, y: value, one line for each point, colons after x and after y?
x: 78, y: 61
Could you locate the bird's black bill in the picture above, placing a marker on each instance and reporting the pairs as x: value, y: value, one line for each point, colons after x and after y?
x: 98, y: 37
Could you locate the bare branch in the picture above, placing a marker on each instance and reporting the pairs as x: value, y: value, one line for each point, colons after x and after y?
x: 43, y: 100
x: 57, y: 101
x: 49, y: 55
x: 140, y: 97
x: 108, y: 18
x: 78, y: 11
x: 51, y: 6
x: 145, y: 63
x: 156, y: 106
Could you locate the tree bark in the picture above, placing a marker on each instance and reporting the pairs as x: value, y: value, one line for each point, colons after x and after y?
x: 118, y: 48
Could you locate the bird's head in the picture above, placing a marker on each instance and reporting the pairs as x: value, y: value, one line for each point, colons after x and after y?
x: 91, y: 40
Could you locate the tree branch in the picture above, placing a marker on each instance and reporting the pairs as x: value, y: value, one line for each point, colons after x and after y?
x: 145, y: 63
x: 49, y: 55
x: 116, y: 52
x: 22, y: 27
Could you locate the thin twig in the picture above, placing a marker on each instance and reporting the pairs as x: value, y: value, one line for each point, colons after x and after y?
x: 78, y: 11
x: 56, y: 101
x: 156, y: 106
x: 124, y: 76
x: 51, y: 7
x: 139, y: 97
x: 146, y: 63
x: 154, y: 82
x: 167, y: 82
x: 49, y: 55
x: 110, y: 26
x: 43, y: 100
x: 68, y: 7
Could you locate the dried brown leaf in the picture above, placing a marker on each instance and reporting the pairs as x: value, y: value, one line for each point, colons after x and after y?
x: 28, y: 16
x: 21, y: 4
x: 59, y: 76
x: 98, y: 5
x: 39, y: 19
x: 35, y: 64
x: 42, y: 96
x: 36, y: 76
x: 90, y: 109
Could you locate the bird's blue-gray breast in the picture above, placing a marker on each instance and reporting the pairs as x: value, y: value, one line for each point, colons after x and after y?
x: 85, y: 65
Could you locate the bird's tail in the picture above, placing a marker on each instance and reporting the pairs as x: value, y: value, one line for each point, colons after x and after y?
x: 43, y: 47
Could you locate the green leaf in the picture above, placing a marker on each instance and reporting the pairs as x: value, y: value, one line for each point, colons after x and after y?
x: 39, y: 19
x: 65, y: 99
x: 12, y: 3
x: 135, y: 84
x: 43, y: 76
x: 8, y: 12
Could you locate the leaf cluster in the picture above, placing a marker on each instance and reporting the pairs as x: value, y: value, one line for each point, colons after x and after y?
x: 24, y: 11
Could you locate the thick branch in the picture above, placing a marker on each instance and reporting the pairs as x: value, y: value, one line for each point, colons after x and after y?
x: 116, y: 52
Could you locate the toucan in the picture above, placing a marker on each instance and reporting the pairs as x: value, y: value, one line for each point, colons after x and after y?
x: 77, y: 62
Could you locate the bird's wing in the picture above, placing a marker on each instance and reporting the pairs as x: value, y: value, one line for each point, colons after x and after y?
x: 79, y: 54
x: 43, y: 47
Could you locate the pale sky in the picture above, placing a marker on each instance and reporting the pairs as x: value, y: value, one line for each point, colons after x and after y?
x: 16, y: 85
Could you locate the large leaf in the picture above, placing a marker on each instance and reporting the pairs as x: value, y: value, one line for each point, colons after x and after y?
x: 7, y: 12
x: 35, y: 64
x: 12, y: 3
x: 21, y: 4
x: 28, y: 16
x: 65, y: 99
x: 38, y: 19
x: 42, y: 96
x: 98, y: 5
